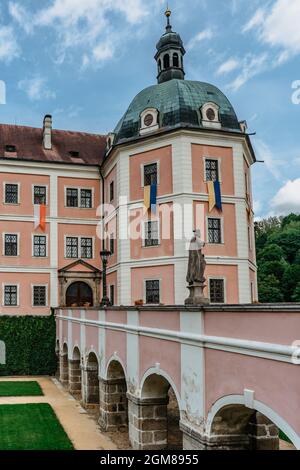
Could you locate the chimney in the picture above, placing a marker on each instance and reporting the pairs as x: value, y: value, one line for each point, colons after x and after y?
x: 47, y: 128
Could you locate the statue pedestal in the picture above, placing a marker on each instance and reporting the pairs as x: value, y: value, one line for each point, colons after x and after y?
x: 196, y: 295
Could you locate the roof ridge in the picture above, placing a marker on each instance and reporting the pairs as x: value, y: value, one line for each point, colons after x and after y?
x: 53, y: 130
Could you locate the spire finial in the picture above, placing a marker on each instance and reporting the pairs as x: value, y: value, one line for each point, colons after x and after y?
x: 168, y: 13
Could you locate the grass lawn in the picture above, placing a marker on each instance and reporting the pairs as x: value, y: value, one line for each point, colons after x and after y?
x: 20, y: 389
x: 31, y: 427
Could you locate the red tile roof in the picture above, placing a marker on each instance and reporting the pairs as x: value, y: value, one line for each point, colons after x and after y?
x: 29, y: 145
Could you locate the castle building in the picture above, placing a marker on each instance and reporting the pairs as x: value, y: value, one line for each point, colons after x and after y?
x: 180, y: 146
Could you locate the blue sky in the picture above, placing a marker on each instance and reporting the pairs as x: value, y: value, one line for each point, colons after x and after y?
x: 84, y: 61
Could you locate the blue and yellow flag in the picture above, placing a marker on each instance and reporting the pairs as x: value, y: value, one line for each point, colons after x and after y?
x: 150, y: 196
x: 214, y: 195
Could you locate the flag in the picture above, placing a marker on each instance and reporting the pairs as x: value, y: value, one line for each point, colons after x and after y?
x: 40, y: 216
x: 214, y: 195
x: 147, y: 197
x: 153, y: 195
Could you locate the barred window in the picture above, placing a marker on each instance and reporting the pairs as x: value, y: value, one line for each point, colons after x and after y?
x: 39, y: 195
x: 150, y: 174
x: 72, y: 197
x: 112, y: 294
x: 10, y: 296
x: 216, y: 288
x: 212, y: 170
x: 86, y: 248
x: 86, y: 198
x: 112, y: 244
x: 111, y: 191
x: 11, y: 194
x: 39, y: 296
x: 214, y: 231
x: 151, y: 233
x: 11, y: 245
x: 152, y: 292
x: 72, y: 247
x: 39, y: 246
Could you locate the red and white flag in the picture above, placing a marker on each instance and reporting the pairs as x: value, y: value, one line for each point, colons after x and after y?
x: 40, y: 216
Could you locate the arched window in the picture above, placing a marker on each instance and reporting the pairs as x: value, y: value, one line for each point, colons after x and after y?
x: 159, y: 65
x: 166, y: 61
x: 175, y: 60
x: 79, y: 294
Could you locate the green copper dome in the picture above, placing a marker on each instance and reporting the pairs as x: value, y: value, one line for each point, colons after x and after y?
x: 179, y: 104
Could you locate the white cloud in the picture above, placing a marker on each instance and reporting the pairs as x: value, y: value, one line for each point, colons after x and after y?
x: 9, y: 48
x: 228, y: 66
x: 257, y: 206
x: 264, y: 153
x: 287, y: 199
x: 36, y: 88
x: 199, y: 37
x: 279, y: 27
x: 251, y: 65
x: 84, y: 25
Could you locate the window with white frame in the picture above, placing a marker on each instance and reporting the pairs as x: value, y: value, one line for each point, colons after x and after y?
x: 86, y: 245
x: 152, y: 291
x: 11, y: 193
x: 40, y: 195
x: 150, y: 174
x: 211, y: 169
x: 216, y: 290
x: 151, y: 237
x: 39, y: 296
x: 214, y: 230
x: 10, y: 244
x: 10, y: 296
x: 39, y: 246
x: 71, y: 247
x: 111, y: 191
x: 82, y: 198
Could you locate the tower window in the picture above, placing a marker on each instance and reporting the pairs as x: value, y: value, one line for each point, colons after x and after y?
x: 210, y: 114
x: 152, y: 292
x: 166, y: 61
x: 214, y: 231
x: 175, y: 60
x: 159, y: 65
x: 148, y: 120
x: 11, y: 194
x: 150, y: 174
x: 211, y: 170
x: 151, y: 233
x: 216, y: 288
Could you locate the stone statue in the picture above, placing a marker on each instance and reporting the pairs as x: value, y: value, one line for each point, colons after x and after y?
x: 196, y: 268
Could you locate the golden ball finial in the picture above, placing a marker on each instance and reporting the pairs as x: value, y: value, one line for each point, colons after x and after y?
x: 168, y: 12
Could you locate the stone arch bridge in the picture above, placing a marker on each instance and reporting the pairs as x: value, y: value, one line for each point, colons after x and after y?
x: 232, y: 370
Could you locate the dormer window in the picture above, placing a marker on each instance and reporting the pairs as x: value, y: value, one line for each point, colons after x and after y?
x: 110, y: 140
x: 149, y: 120
x: 210, y: 115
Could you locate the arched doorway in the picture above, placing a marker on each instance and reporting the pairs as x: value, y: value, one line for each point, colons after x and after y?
x: 64, y: 366
x: 90, y: 382
x: 79, y: 294
x: 75, y: 374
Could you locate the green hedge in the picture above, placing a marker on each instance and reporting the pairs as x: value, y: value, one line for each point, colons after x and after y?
x: 30, y: 345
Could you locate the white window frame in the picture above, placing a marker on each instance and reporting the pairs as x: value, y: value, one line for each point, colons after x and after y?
x: 79, y: 237
x: 144, y: 232
x: 142, y: 171
x: 79, y: 188
x: 18, y: 294
x: 222, y: 230
x: 47, y: 192
x: 32, y: 244
x: 32, y: 296
x: 216, y: 123
x: 154, y: 126
x: 225, y: 289
x: 219, y: 160
x: 18, y: 244
x: 145, y: 291
x: 4, y: 191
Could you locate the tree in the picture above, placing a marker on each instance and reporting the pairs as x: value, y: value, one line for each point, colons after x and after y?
x: 296, y: 294
x: 269, y: 290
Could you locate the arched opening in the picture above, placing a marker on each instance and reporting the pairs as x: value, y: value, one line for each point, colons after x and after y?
x: 241, y: 428
x: 64, y: 366
x: 166, y: 61
x: 57, y: 351
x: 91, y: 381
x: 75, y: 374
x: 159, y: 65
x: 114, y: 405
x: 163, y: 413
x: 175, y: 60
x: 79, y: 294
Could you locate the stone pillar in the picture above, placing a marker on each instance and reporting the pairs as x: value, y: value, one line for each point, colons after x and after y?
x: 195, y: 439
x: 90, y: 386
x: 148, y: 427
x: 113, y: 404
x: 64, y: 369
x: 75, y: 378
x: 264, y: 435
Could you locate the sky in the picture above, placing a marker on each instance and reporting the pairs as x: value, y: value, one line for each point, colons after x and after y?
x: 84, y: 61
